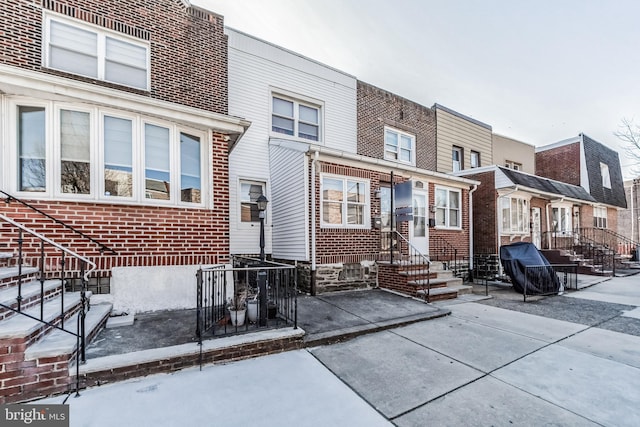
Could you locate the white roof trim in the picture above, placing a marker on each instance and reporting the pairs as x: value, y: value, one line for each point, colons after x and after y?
x: 567, y: 141
x: 18, y: 81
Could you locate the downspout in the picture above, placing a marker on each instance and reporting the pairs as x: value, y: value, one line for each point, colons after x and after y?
x: 546, y: 211
x: 475, y: 187
x: 316, y: 155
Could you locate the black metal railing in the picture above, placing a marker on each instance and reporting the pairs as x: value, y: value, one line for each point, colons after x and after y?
x: 622, y: 245
x: 396, y: 249
x: 549, y: 279
x: 48, y: 269
x: 486, y: 267
x: 102, y: 247
x: 597, y: 256
x: 443, y: 251
x: 229, y: 301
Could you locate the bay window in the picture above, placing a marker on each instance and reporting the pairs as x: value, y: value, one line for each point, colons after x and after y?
x: 515, y: 215
x: 91, y: 154
x: 448, y: 207
x: 561, y: 219
x: 345, y: 202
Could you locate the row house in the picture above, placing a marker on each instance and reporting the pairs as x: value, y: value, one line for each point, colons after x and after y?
x: 114, y: 141
x: 559, y: 209
x: 326, y: 149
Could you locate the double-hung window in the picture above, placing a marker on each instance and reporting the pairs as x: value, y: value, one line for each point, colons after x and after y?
x: 399, y: 146
x: 249, y: 193
x: 448, y: 208
x: 345, y: 202
x: 515, y: 215
x: 32, y: 157
x: 456, y: 157
x: 475, y: 159
x: 295, y: 118
x: 600, y: 217
x: 94, y: 52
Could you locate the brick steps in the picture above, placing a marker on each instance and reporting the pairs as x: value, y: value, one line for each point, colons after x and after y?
x: 411, y: 279
x: 30, y: 295
x: 60, y: 343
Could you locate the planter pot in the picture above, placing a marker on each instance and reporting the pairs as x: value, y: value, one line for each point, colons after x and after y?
x: 252, y: 310
x: 272, y: 310
x: 238, y: 316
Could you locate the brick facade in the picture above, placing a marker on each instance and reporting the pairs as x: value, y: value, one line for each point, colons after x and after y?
x: 484, y: 214
x: 560, y: 163
x: 188, y: 46
x: 378, y: 108
x: 141, y: 235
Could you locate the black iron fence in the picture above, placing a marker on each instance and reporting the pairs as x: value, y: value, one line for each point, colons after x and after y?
x: 596, y: 255
x: 245, y: 296
x: 549, y: 279
x: 396, y: 249
x: 452, y: 259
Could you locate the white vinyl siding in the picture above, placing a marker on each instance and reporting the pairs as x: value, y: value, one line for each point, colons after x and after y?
x: 289, y: 204
x: 83, y: 49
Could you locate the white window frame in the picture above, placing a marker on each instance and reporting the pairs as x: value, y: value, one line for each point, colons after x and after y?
x: 457, y: 165
x: 102, y: 35
x: 522, y: 215
x: 474, y: 159
x: 606, y: 176
x: 297, y: 102
x: 394, y: 155
x: 600, y: 216
x: 240, y: 201
x: 564, y: 211
x: 447, y: 208
x: 513, y: 165
x: 366, y: 205
x: 53, y: 189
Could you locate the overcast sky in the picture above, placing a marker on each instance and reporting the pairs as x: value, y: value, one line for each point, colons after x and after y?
x: 537, y: 71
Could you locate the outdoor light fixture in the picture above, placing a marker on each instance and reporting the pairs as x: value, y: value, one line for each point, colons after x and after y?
x: 262, y: 203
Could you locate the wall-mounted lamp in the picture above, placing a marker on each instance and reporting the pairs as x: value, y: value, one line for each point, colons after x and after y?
x: 376, y: 194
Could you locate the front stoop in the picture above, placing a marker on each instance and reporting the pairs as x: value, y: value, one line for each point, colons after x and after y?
x: 108, y: 369
x: 412, y: 281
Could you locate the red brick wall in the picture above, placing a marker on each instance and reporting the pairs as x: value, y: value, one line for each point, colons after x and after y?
x: 142, y: 235
x: 335, y: 245
x: 455, y: 239
x: 188, y: 46
x: 560, y: 163
x: 378, y: 108
x: 484, y: 214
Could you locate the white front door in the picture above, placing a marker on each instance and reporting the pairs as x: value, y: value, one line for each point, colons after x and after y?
x: 536, y: 229
x: 418, y: 227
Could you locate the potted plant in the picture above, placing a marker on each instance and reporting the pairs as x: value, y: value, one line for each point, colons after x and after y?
x: 237, y: 306
x: 252, y: 305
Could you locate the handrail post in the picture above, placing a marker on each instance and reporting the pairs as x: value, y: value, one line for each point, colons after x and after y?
x: 83, y: 301
x: 42, y: 280
x: 62, y: 262
x: 20, y: 261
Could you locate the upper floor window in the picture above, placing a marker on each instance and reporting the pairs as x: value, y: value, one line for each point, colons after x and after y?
x: 399, y: 146
x: 606, y: 178
x: 600, y: 217
x: 456, y: 155
x: 95, y: 52
x: 91, y: 154
x: 448, y: 208
x: 294, y: 118
x: 513, y: 165
x: 515, y: 215
x: 475, y: 159
x: 345, y: 202
x: 249, y: 193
